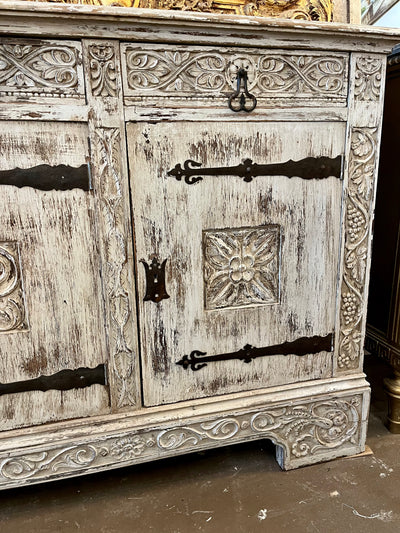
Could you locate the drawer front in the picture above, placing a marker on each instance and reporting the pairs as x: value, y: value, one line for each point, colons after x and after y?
x: 198, y: 75
x: 250, y: 263
x: 33, y: 69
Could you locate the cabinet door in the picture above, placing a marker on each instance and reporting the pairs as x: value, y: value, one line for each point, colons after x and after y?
x: 251, y: 265
x: 50, y: 293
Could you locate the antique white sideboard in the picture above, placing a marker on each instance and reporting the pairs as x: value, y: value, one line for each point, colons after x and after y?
x: 185, y: 230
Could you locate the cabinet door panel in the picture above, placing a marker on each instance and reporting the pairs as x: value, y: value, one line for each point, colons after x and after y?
x: 50, y: 293
x: 247, y: 262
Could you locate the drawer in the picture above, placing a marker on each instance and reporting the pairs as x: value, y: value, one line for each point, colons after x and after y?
x: 169, y: 76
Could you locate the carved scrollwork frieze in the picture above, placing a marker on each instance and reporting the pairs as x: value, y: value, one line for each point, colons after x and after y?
x: 362, y: 165
x: 302, y: 429
x: 13, y: 315
x: 179, y: 72
x: 51, y: 69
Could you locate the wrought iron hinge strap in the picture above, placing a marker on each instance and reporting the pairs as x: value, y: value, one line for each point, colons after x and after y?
x: 310, y: 168
x: 63, y: 380
x: 47, y: 177
x: 300, y: 347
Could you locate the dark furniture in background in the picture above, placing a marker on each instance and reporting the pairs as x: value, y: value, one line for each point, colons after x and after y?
x: 383, y: 329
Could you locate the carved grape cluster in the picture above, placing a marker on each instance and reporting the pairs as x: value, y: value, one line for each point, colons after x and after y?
x: 355, y: 221
x: 349, y: 307
x: 344, y: 360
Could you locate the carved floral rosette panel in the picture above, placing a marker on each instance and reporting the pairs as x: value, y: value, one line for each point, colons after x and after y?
x: 362, y: 165
x: 303, y: 430
x: 197, y: 73
x: 108, y: 186
x: 291, y: 9
x: 52, y: 70
x: 13, y: 315
x: 241, y: 266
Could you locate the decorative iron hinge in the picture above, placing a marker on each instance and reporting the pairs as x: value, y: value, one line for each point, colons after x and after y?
x: 300, y: 347
x: 64, y: 380
x: 155, y: 281
x: 310, y: 168
x: 241, y: 80
x: 47, y: 177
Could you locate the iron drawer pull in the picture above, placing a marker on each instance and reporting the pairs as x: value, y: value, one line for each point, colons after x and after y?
x: 242, y: 80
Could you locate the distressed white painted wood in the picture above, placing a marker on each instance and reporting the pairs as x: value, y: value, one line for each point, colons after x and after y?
x: 76, y: 246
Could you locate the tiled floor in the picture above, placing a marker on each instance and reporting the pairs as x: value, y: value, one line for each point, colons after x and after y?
x: 238, y: 489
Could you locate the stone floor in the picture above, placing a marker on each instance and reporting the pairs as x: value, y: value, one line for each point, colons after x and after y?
x: 237, y: 489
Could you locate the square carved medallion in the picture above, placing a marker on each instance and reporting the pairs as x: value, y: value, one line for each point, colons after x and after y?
x: 241, y: 266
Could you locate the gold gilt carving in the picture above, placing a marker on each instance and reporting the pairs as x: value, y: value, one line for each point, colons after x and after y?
x: 291, y: 9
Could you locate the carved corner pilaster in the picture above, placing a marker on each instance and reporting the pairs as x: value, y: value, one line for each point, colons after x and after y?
x: 362, y: 170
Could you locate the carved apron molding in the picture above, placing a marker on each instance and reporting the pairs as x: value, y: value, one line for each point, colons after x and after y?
x: 303, y: 429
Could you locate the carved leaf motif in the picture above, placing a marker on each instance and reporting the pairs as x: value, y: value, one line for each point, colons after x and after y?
x: 103, y: 70
x: 356, y: 263
x: 368, y: 78
x: 128, y: 447
x: 293, y: 9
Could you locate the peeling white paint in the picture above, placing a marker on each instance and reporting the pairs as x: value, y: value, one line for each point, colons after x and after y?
x: 262, y: 514
x: 384, y: 516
